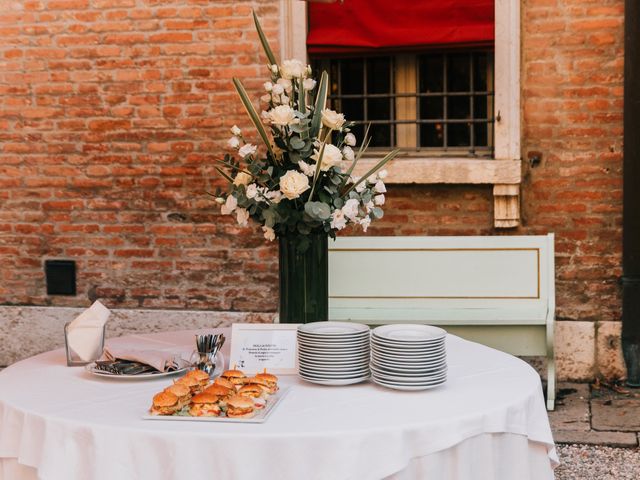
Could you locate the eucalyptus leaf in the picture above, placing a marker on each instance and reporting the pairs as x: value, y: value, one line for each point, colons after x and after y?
x: 297, y: 143
x: 377, y: 212
x: 317, y: 210
x: 338, y: 202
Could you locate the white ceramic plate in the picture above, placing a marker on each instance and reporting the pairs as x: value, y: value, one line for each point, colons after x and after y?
x: 410, y: 333
x: 339, y: 357
x: 407, y: 346
x: 408, y: 388
x: 399, y: 367
x: 91, y: 368
x: 333, y: 328
x: 410, y: 379
x: 406, y: 354
x: 408, y: 360
x: 331, y: 338
x: 334, y: 374
x: 328, y: 352
x: 331, y: 363
x: 333, y: 382
x: 334, y: 345
x: 423, y: 371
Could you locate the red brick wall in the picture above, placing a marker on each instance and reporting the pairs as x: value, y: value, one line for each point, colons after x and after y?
x: 111, y: 112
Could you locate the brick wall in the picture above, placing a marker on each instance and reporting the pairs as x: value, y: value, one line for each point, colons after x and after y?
x: 111, y: 112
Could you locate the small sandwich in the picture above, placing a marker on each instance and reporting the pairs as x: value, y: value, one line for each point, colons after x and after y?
x: 191, y: 382
x: 220, y: 391
x: 164, y: 403
x: 254, y: 392
x: 240, y: 407
x: 200, y: 375
x: 204, y: 405
x: 181, y: 391
x: 263, y: 384
x: 225, y: 383
x: 237, y: 377
x: 272, y: 380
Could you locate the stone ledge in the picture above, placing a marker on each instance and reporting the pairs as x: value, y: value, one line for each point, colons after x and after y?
x: 612, y: 439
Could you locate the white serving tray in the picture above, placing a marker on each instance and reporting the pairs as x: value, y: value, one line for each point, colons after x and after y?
x: 261, y: 415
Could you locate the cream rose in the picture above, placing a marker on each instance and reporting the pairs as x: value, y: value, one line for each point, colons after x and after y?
x: 332, y: 119
x: 309, y: 84
x: 331, y: 157
x: 293, y: 69
x: 229, y: 205
x: 282, y: 115
x: 293, y: 184
x: 242, y: 178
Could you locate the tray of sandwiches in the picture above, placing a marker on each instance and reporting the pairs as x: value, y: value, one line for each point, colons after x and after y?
x: 232, y: 397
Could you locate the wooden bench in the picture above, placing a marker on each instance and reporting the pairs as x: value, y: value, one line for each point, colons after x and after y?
x: 499, y: 291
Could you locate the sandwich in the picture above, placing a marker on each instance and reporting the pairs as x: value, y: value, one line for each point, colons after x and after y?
x: 263, y: 384
x: 181, y: 391
x: 254, y: 392
x: 237, y: 377
x: 204, y: 405
x: 225, y: 383
x: 270, y: 379
x: 164, y: 403
x: 200, y: 375
x: 220, y: 391
x: 240, y: 407
x: 191, y: 382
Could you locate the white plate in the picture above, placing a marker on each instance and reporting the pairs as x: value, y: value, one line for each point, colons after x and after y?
x: 407, y: 354
x: 328, y: 352
x: 410, y: 380
x: 431, y: 370
x: 334, y: 345
x: 331, y: 338
x: 91, y: 368
x: 406, y: 346
x: 398, y: 367
x: 408, y: 388
x: 404, y: 360
x: 394, y: 381
x: 334, y: 374
x: 333, y: 328
x: 410, y: 333
x: 348, y: 381
x: 331, y: 363
x: 260, y: 417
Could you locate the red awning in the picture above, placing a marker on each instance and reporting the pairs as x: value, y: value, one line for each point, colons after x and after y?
x: 361, y: 25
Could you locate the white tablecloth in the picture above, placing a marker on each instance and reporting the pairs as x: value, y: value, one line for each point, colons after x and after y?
x: 487, y: 422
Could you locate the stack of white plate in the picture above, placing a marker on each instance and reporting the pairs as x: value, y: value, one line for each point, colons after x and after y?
x: 333, y: 353
x: 408, y: 357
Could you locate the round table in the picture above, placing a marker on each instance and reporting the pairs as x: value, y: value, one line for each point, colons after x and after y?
x: 487, y: 422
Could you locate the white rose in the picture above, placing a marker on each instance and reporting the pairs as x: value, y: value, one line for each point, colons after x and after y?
x: 309, y: 84
x: 229, y: 206
x: 284, y: 99
x: 235, y: 130
x: 268, y: 86
x: 338, y: 220
x: 332, y: 119
x: 233, y: 142
x: 368, y: 206
x: 350, y: 208
x: 350, y: 139
x: 348, y: 154
x: 282, y: 115
x: 265, y: 116
x: 331, y: 157
x: 379, y: 187
x: 382, y: 174
x: 242, y: 216
x: 269, y: 234
x: 248, y: 149
x: 379, y: 199
x: 364, y: 223
x: 252, y: 190
x: 293, y: 69
x: 307, y: 169
x: 277, y: 89
x: 274, y: 195
x: 242, y: 178
x: 293, y: 184
x: 361, y: 186
x: 286, y: 84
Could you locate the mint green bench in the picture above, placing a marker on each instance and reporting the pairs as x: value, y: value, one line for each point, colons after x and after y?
x: 499, y: 291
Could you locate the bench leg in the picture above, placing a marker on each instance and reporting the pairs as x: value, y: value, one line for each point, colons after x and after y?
x: 551, y: 370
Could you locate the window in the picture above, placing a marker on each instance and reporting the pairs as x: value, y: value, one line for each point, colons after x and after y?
x: 436, y: 102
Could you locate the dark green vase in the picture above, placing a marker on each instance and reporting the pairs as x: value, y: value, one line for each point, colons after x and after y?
x: 304, y: 279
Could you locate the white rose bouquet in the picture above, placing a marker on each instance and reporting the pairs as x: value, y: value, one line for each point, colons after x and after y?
x: 297, y: 185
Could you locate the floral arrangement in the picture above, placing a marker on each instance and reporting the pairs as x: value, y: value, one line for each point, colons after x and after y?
x: 298, y: 185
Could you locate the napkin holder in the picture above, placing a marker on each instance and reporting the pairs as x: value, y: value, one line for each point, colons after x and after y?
x: 73, y: 359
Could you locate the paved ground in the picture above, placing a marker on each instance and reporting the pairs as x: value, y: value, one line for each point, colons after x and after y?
x: 597, y: 428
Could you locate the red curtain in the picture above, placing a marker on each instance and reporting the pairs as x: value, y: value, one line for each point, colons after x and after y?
x: 361, y: 25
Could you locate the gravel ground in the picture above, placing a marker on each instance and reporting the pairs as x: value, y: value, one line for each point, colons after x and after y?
x: 586, y: 462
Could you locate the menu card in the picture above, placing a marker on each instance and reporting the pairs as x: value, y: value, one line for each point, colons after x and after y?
x: 259, y: 346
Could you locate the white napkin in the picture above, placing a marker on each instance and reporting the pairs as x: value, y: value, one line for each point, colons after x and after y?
x: 161, y: 360
x: 84, y: 334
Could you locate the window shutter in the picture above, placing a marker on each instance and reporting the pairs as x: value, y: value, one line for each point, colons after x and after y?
x: 366, y: 25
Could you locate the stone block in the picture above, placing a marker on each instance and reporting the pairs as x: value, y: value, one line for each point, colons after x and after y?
x: 575, y: 350
x: 622, y: 414
x: 609, y: 360
x: 572, y: 408
x: 612, y: 439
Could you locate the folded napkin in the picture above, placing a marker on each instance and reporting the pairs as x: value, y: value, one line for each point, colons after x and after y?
x: 161, y: 360
x: 84, y: 333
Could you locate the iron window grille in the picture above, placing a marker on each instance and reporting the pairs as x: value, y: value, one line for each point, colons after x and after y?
x: 439, y: 103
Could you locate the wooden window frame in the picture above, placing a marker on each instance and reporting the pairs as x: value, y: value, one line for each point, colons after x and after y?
x: 504, y: 171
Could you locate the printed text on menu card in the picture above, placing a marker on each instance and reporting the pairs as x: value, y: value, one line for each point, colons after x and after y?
x: 256, y: 347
